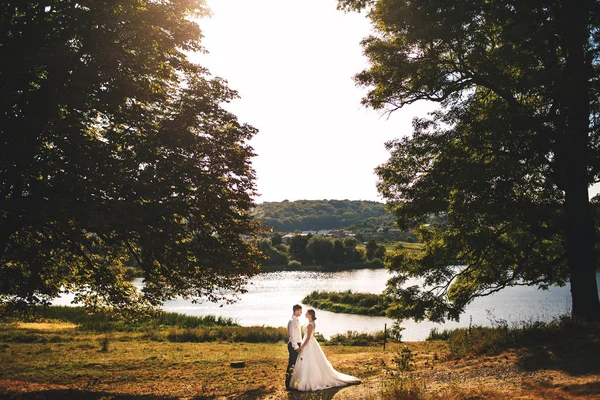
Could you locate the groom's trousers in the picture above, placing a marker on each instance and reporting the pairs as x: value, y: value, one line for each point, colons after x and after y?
x: 291, y: 362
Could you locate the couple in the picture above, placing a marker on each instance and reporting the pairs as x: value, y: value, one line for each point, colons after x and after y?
x: 308, y: 368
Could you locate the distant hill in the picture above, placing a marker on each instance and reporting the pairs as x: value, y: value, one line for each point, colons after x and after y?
x: 289, y: 216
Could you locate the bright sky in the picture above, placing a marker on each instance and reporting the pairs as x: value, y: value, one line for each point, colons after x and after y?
x: 293, y: 65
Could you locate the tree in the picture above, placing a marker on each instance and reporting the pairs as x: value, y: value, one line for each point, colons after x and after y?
x: 319, y: 249
x: 113, y: 144
x: 339, y: 252
x: 298, y: 247
x: 288, y: 216
x: 276, y: 239
x: 509, y: 155
x: 273, y: 255
x: 374, y: 250
x: 350, y: 249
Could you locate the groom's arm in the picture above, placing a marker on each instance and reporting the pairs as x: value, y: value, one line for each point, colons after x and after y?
x: 291, y: 329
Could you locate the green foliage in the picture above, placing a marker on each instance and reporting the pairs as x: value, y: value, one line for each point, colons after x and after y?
x: 18, y: 336
x: 319, y: 250
x: 113, y: 145
x: 276, y: 239
x: 273, y: 255
x: 316, y: 252
x: 349, y: 302
x: 508, y: 156
x: 103, y: 321
x: 353, y: 338
x: 162, y: 326
x: 290, y: 216
x: 502, y: 336
x: 396, y: 330
x: 374, y: 250
x: 247, y: 334
x: 375, y: 263
x: 404, y: 359
x: 338, y: 253
x: 298, y: 247
x: 435, y: 334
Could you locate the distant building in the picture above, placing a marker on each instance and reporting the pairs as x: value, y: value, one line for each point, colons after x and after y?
x: 287, y: 237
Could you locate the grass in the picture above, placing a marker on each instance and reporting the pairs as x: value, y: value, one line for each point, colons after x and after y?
x: 500, y: 336
x: 353, y: 338
x: 348, y: 302
x: 54, y: 358
x: 163, y: 327
x: 102, y: 322
x: 391, y: 246
x: 556, y: 360
x: 129, y: 364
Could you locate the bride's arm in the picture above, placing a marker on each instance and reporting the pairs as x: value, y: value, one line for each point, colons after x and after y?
x: 309, y: 332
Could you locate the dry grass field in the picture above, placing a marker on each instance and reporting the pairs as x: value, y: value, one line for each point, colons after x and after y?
x: 58, y: 361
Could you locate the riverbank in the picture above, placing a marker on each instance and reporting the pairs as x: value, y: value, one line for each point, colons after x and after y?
x: 66, y: 362
x: 327, y: 267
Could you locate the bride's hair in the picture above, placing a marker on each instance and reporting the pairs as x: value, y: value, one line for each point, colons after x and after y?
x: 312, y: 314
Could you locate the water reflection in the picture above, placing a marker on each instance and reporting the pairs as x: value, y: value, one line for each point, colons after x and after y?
x: 270, y: 298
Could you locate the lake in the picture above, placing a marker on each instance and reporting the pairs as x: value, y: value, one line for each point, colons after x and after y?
x: 271, y: 295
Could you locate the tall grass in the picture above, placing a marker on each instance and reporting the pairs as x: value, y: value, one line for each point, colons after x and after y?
x: 502, y: 335
x: 162, y: 326
x: 353, y: 338
x: 251, y: 334
x: 102, y: 322
x: 435, y: 334
x: 173, y: 327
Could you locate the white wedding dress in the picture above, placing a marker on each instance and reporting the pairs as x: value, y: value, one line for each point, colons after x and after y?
x: 314, y: 372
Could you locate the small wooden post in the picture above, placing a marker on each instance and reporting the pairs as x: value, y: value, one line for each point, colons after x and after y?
x: 384, y: 334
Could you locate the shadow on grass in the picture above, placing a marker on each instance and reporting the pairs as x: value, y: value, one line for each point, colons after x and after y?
x: 586, y: 389
x: 574, y: 351
x: 549, y: 390
x: 73, y: 394
x: 259, y: 393
x: 326, y: 394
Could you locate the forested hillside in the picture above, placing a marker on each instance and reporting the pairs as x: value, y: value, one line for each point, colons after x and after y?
x: 289, y: 216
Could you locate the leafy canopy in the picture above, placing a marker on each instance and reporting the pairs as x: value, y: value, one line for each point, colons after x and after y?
x: 506, y: 157
x: 288, y: 216
x: 115, y: 149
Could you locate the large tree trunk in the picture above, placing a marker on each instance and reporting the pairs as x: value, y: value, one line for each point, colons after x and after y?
x: 580, y: 229
x: 580, y: 252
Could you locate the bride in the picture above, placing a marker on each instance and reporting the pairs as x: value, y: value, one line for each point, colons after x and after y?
x: 312, y: 370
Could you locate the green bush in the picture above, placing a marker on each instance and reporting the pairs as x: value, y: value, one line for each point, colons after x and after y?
x: 495, y: 339
x: 103, y: 322
x: 435, y: 334
x: 353, y: 338
x: 250, y: 334
x: 375, y: 263
x: 349, y: 302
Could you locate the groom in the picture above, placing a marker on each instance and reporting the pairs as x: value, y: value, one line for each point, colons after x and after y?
x: 294, y: 342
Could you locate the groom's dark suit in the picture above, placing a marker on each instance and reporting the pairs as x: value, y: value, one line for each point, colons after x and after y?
x: 294, y: 342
